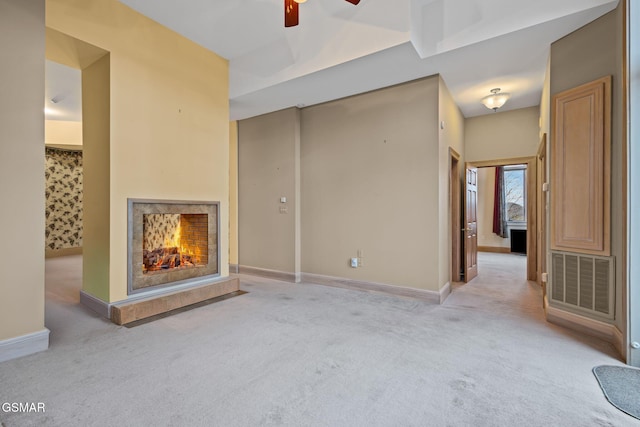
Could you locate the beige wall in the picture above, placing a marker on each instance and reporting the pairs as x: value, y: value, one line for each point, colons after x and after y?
x: 22, y: 159
x: 509, y: 134
x: 587, y: 54
x: 373, y: 174
x: 62, y: 132
x: 267, y: 172
x: 486, y: 189
x: 451, y: 133
x: 370, y: 183
x: 169, y: 118
x: 233, y: 193
x: 97, y: 183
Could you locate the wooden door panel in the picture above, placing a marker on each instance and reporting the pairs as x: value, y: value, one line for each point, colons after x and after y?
x: 471, y: 224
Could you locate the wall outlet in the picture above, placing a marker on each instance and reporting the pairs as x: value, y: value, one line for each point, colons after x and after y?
x: 544, y: 278
x: 354, y: 262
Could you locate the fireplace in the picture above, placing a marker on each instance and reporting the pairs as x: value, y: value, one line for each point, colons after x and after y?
x: 171, y: 242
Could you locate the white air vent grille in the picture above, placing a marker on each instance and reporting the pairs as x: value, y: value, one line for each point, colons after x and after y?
x: 583, y: 282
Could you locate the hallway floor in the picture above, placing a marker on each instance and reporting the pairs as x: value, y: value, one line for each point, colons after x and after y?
x: 310, y: 355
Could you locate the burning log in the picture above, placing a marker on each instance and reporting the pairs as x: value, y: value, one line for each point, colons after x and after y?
x: 187, y: 260
x: 165, y: 259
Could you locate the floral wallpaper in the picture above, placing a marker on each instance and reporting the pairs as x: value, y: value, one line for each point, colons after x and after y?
x: 161, y: 231
x: 63, y: 198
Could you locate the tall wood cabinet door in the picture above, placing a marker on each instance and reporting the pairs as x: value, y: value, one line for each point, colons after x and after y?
x: 581, y: 169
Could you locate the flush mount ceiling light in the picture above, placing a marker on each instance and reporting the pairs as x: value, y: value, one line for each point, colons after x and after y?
x: 291, y: 11
x: 496, y: 99
x: 58, y: 98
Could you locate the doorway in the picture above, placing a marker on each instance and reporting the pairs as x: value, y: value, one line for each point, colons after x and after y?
x: 526, y: 168
x: 93, y: 66
x: 63, y: 160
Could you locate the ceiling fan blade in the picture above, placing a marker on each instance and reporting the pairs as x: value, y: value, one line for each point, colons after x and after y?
x: 290, y: 13
x: 354, y: 1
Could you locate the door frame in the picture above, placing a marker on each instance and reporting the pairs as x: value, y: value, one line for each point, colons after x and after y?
x: 541, y: 265
x: 543, y: 202
x: 532, y: 225
x: 455, y: 209
x: 631, y: 182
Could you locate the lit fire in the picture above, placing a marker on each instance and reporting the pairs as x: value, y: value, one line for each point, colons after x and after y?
x: 171, y: 255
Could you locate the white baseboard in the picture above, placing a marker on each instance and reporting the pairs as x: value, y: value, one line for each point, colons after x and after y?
x: 234, y: 269
x: 103, y: 308
x: 595, y: 328
x: 24, y: 345
x: 271, y: 274
x: 618, y: 342
x: 339, y: 282
x: 445, y: 291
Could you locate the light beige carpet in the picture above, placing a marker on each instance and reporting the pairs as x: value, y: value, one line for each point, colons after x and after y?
x: 309, y: 355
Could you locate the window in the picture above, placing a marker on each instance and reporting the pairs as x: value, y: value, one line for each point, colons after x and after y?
x: 515, y: 195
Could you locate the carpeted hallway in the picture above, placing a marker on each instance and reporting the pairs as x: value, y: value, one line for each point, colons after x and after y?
x: 309, y: 355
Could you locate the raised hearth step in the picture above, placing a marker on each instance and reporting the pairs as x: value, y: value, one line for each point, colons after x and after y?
x: 128, y: 312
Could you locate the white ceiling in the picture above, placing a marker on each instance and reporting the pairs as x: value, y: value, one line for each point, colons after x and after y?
x: 63, y: 92
x: 340, y: 49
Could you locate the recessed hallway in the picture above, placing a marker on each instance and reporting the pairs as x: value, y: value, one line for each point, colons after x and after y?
x: 287, y: 354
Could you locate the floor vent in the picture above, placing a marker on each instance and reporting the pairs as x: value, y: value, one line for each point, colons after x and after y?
x: 583, y: 282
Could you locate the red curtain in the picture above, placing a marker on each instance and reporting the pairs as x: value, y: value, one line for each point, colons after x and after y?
x: 499, y: 223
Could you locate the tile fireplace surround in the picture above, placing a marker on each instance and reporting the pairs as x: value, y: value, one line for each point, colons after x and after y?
x: 163, y: 288
x: 138, y: 211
